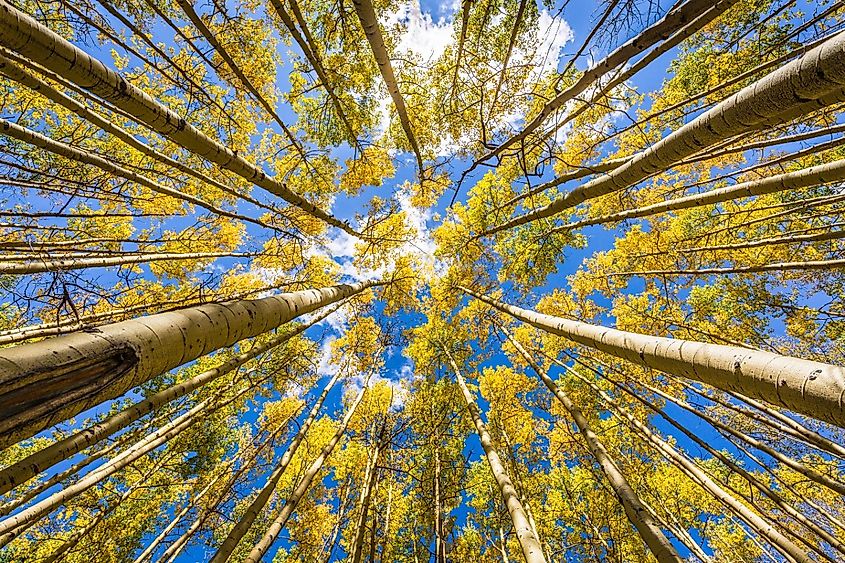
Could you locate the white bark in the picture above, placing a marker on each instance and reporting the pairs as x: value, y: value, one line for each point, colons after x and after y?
x: 812, y: 82
x: 30, y: 39
x: 804, y: 386
x: 260, y: 549
x: 637, y: 513
x: 532, y: 551
x: 86, y: 368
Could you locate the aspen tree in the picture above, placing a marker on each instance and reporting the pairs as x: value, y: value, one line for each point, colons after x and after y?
x: 821, y: 73
x: 804, y: 386
x: 260, y: 549
x: 640, y: 516
x: 532, y: 551
x: 35, y: 463
x: 236, y: 534
x: 30, y: 39
x: 131, y: 352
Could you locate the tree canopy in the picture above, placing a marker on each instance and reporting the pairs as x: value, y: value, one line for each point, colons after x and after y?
x: 414, y: 282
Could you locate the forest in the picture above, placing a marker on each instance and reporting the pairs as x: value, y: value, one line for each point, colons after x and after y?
x: 422, y: 281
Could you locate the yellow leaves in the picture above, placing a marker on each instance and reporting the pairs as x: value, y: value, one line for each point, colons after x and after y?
x: 274, y: 414
x: 359, y: 347
x: 369, y: 169
x: 505, y: 389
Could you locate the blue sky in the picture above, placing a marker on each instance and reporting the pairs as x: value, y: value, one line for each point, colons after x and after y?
x: 430, y: 30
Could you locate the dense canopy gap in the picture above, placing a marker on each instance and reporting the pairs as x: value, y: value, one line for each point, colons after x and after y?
x: 416, y: 281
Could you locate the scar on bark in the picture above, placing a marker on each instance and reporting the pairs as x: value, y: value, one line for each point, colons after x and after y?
x: 80, y: 378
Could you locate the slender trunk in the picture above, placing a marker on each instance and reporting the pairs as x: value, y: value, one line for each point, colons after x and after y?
x: 809, y: 435
x: 28, y: 136
x: 49, y: 381
x: 804, y: 386
x: 308, y: 47
x: 812, y: 82
x: 363, y: 511
x: 386, y: 540
x: 641, y: 518
x: 34, y: 41
x: 242, y: 526
x: 260, y: 549
x: 532, y: 551
x: 777, y: 267
x: 79, y: 534
x: 679, y: 532
x: 22, y: 76
x: 820, y: 443
x: 25, y: 497
x: 788, y: 238
x: 14, y: 526
x: 33, y: 464
x: 793, y: 464
x: 503, y: 545
x: 177, y: 518
x: 439, y: 539
x: 779, y: 501
x: 812, y: 176
x: 754, y: 521
x: 369, y: 22
x: 46, y: 264
x: 673, y: 21
x: 173, y: 551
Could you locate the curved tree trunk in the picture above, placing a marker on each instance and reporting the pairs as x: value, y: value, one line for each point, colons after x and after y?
x: 30, y: 39
x: 532, y: 551
x: 804, y: 386
x: 260, y: 549
x: 86, y: 368
x: 638, y: 514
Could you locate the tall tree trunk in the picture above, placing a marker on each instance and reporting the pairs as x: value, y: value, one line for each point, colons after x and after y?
x: 777, y: 267
x: 639, y: 515
x: 812, y: 82
x: 177, y: 518
x: 20, y: 133
x: 673, y: 21
x: 173, y: 551
x: 20, y: 75
x: 812, y: 176
x: 58, y: 451
x: 278, y: 524
x: 34, y: 41
x: 532, y: 551
x: 754, y: 521
x: 366, y: 495
x: 14, y: 526
x: 439, y: 538
x: 242, y: 526
x: 803, y: 386
x: 86, y: 368
x: 369, y: 22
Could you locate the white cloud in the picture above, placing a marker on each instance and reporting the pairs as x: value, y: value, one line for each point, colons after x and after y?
x: 422, y: 36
